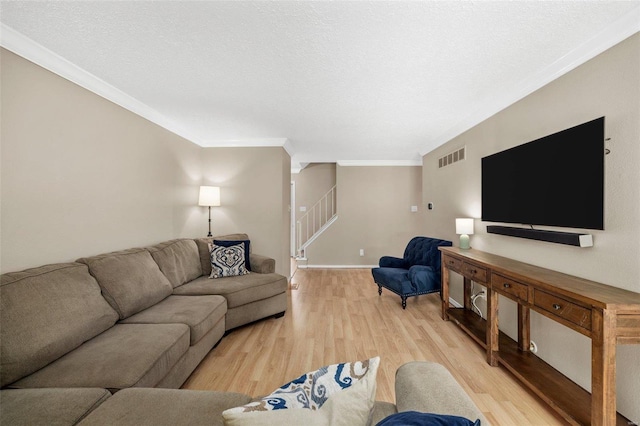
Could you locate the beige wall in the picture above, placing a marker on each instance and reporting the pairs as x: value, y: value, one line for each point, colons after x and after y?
x: 608, y: 85
x: 81, y: 176
x: 373, y: 214
x: 255, y: 185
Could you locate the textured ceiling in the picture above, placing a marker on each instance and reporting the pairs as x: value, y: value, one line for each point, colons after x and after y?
x: 366, y: 80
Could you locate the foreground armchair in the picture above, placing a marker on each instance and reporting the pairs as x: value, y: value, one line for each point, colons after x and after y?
x: 417, y: 272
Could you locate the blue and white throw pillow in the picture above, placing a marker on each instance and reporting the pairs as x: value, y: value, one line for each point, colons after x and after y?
x: 227, y: 261
x: 247, y: 250
x: 338, y: 394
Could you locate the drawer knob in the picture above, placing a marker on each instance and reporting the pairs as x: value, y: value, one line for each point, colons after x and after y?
x: 451, y: 262
x: 506, y: 285
x: 556, y: 306
x: 474, y: 271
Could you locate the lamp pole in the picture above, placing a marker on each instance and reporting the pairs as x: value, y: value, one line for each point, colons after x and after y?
x: 209, y: 234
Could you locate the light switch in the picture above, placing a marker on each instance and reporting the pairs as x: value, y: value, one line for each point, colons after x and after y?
x: 303, y: 208
x: 414, y: 209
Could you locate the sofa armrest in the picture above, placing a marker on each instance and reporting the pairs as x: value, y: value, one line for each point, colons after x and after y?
x: 262, y: 264
x: 392, y: 262
x: 429, y: 387
x: 423, y: 278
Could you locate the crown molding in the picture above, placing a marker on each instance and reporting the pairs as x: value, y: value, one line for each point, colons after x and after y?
x: 621, y: 29
x: 253, y: 142
x: 23, y: 46
x: 288, y: 146
x: 379, y: 163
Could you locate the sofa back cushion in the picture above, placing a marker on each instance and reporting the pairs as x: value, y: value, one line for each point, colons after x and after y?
x: 130, y: 280
x: 203, y: 249
x: 45, y: 313
x: 424, y: 251
x: 178, y: 260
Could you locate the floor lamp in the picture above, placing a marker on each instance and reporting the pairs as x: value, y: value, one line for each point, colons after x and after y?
x: 209, y: 197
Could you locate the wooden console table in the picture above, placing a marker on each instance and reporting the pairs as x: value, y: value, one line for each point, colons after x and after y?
x: 606, y: 314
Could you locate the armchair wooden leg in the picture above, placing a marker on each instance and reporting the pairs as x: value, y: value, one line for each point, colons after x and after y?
x: 380, y: 290
x: 404, y: 302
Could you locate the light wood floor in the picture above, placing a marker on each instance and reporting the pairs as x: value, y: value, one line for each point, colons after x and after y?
x: 337, y: 316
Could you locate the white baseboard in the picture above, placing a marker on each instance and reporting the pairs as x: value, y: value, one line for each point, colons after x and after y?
x: 454, y: 303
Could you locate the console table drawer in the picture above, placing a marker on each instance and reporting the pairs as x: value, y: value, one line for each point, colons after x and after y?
x: 509, y: 287
x: 453, y: 263
x: 576, y: 314
x: 474, y: 272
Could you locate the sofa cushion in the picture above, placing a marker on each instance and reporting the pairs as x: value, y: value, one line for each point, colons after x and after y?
x: 46, y: 312
x: 395, y: 279
x: 130, y: 280
x: 124, y: 356
x: 203, y: 249
x: 237, y: 290
x: 200, y: 313
x: 339, y: 394
x: 49, y: 406
x: 178, y: 260
x: 227, y: 261
x: 133, y: 407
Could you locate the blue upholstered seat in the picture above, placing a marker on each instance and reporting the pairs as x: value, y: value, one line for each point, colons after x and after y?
x: 417, y: 272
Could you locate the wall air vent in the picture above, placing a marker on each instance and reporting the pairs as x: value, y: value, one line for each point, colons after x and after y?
x: 452, y: 157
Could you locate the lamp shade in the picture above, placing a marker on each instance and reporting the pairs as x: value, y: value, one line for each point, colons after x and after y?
x: 464, y: 226
x: 209, y: 196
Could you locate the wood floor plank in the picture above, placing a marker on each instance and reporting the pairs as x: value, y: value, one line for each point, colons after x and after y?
x: 336, y: 315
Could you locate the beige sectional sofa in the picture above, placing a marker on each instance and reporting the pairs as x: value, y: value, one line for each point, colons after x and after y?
x: 92, y: 341
x: 143, y: 317
x: 420, y: 386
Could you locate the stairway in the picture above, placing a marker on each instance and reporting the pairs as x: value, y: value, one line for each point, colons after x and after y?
x: 315, y: 221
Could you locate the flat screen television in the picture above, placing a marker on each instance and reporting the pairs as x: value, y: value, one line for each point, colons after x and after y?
x: 557, y: 180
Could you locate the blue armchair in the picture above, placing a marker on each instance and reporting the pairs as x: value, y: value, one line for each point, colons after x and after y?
x: 418, y: 272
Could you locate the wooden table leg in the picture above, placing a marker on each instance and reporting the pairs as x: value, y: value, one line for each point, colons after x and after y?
x: 492, y: 327
x: 467, y: 293
x: 603, y: 368
x: 445, y: 292
x: 524, y: 328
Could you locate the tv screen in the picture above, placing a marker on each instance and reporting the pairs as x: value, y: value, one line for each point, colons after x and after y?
x: 557, y: 180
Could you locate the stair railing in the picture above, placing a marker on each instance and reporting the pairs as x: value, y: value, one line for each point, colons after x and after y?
x: 315, y: 220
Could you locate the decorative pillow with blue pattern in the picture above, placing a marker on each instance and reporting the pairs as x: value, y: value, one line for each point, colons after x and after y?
x: 339, y: 394
x: 227, y: 261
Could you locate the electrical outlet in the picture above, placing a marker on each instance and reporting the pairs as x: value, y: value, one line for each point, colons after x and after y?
x: 361, y: 252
